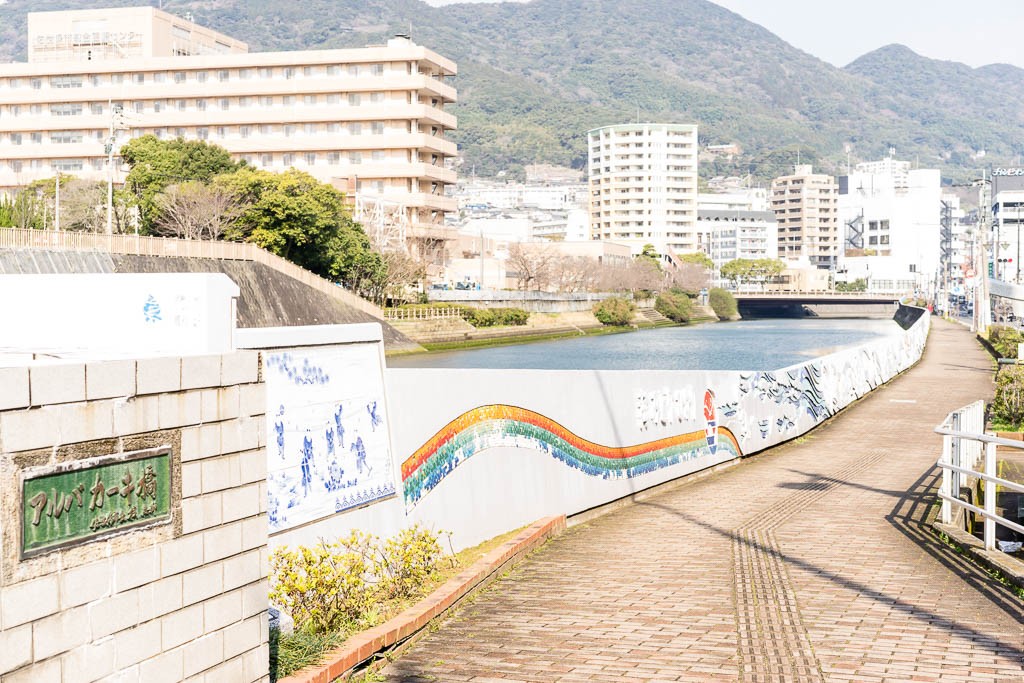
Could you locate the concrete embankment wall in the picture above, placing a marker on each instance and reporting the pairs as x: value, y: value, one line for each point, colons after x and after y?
x: 268, y: 298
x: 133, y: 525
x: 481, y: 452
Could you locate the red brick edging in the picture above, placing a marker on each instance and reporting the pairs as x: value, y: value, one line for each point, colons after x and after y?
x: 362, y: 646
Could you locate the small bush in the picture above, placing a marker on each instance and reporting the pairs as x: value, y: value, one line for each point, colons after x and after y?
x: 405, y: 562
x: 510, y: 316
x: 1005, y: 340
x: 1008, y: 406
x: 722, y: 302
x: 478, y: 317
x: 673, y: 305
x: 323, y: 587
x: 614, y: 311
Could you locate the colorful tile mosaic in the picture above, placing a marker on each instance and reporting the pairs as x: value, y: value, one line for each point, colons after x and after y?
x: 495, y: 426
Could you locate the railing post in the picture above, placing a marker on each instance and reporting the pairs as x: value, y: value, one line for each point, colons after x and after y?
x: 990, y: 497
x: 946, y: 514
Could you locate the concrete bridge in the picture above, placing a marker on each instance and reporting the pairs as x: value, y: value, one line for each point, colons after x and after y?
x: 816, y: 305
x: 809, y: 562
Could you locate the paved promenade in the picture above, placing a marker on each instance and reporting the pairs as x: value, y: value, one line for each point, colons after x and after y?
x: 809, y: 563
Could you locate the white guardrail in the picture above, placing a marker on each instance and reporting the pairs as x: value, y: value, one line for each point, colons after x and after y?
x: 965, y: 446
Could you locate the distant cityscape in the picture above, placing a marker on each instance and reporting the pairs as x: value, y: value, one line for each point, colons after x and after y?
x: 372, y: 123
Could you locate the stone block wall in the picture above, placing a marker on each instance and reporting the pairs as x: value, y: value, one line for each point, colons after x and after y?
x: 184, y: 600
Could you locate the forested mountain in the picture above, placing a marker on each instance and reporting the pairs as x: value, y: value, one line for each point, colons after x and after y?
x: 534, y: 77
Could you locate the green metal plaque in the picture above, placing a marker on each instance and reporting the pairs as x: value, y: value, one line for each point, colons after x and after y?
x: 87, y: 500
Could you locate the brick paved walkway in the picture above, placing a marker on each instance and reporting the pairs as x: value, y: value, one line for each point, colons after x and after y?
x: 809, y: 563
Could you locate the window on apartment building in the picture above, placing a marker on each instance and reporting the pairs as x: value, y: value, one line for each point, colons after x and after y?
x: 288, y: 159
x: 377, y: 186
x: 200, y: 105
x: 289, y: 73
x: 158, y: 106
x: 310, y: 158
x: 376, y: 97
x: 376, y: 69
x: 352, y: 70
x: 64, y: 137
x: 355, y: 157
x: 307, y: 71
x: 117, y: 79
x: 309, y: 128
x: 97, y: 164
x: 244, y: 131
x: 179, y: 76
x: 67, y: 165
x: 872, y: 225
x: 223, y: 75
x: 14, y: 110
x: 355, y: 128
x: 14, y: 83
x: 202, y: 76
x: 35, y: 83
x: 222, y: 132
x: 244, y: 102
x: 333, y: 70
x: 100, y: 135
x: 224, y: 103
x: 378, y: 155
x: 873, y: 239
x: 244, y: 74
x: 36, y: 109
x: 353, y: 99
x: 179, y: 132
x: 883, y: 239
x: 883, y: 225
x: 160, y: 77
x: 203, y: 133
x: 377, y: 128
x: 265, y: 129
x: 333, y: 98
x: 180, y: 105
x: 289, y: 131
x: 288, y: 100
x: 138, y: 79
x: 66, y: 81
x: 36, y: 137
x: 15, y: 165
x: 96, y: 108
x: 266, y: 72
x: 266, y: 160
x: 309, y: 99
x: 333, y: 158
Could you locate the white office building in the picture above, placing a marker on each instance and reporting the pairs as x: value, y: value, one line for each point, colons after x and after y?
x: 736, y: 225
x: 371, y: 121
x: 643, y: 186
x: 890, y: 216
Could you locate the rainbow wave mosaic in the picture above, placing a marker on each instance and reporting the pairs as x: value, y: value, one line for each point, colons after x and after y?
x: 493, y: 426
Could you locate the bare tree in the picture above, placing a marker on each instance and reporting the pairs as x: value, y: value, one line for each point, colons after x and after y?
x: 533, y: 265
x: 688, y: 277
x: 83, y: 205
x: 194, y: 210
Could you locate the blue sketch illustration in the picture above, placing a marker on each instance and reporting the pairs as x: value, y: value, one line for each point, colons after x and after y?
x: 151, y: 310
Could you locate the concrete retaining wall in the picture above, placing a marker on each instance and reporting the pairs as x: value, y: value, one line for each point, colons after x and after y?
x: 184, y: 599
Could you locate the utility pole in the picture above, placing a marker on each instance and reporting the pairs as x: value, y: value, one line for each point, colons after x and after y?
x: 116, y: 123
x: 982, y: 317
x: 56, y: 203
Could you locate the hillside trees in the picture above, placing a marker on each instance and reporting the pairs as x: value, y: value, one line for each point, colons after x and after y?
x: 756, y: 271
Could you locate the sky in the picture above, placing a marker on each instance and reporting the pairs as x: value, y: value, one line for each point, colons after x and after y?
x: 975, y: 33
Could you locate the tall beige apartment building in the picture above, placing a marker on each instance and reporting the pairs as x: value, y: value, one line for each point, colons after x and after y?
x: 806, y: 209
x: 371, y: 121
x: 643, y: 186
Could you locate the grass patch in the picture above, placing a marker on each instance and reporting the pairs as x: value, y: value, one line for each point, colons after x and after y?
x: 520, y: 339
x: 991, y: 571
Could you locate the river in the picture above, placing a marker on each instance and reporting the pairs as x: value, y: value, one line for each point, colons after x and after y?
x: 745, y: 345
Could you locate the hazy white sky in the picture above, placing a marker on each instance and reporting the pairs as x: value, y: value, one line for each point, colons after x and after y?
x: 967, y: 31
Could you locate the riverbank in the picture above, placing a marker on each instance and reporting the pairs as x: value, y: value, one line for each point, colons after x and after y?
x: 445, y: 334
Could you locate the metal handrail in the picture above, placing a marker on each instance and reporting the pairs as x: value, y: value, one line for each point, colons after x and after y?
x: 957, y: 442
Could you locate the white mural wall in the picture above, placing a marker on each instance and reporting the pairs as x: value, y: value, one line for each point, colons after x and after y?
x: 480, y: 452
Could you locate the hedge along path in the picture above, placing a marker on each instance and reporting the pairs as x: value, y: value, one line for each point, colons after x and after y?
x: 401, y: 629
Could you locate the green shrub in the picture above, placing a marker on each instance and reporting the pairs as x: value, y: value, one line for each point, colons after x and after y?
x: 1008, y: 406
x: 614, y: 311
x: 722, y: 302
x: 479, y: 317
x: 510, y: 316
x: 1005, y: 340
x: 405, y: 562
x: 673, y: 305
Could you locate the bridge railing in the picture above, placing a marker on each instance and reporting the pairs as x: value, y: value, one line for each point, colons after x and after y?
x: 965, y: 447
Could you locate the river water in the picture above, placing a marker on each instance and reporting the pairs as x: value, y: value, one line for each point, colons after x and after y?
x: 743, y: 345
